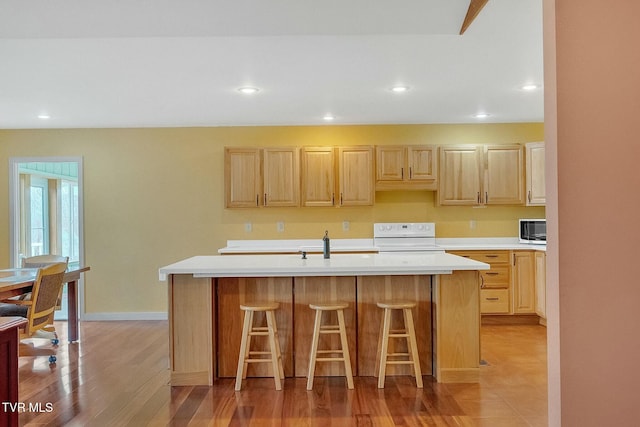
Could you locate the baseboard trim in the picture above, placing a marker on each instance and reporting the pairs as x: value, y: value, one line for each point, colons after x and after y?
x: 146, y: 315
x: 516, y: 319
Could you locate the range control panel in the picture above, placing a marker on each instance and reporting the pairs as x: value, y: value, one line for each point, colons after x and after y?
x: 404, y: 229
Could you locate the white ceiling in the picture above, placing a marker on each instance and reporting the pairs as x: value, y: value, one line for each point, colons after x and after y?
x: 145, y: 63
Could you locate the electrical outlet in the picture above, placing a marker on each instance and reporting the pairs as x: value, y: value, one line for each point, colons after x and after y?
x: 248, y: 227
x: 345, y: 225
x: 280, y: 226
x: 472, y: 224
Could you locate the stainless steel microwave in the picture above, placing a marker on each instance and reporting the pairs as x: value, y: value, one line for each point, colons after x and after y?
x: 533, y: 231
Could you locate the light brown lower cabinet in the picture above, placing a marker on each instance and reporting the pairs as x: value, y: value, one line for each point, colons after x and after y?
x: 524, y: 291
x: 495, y: 293
x: 515, y: 284
x: 541, y: 284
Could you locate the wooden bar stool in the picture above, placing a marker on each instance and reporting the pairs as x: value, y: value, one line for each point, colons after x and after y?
x: 408, y: 332
x: 340, y: 329
x: 246, y: 356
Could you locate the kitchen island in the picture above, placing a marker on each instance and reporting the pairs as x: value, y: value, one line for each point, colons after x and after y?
x: 205, y: 319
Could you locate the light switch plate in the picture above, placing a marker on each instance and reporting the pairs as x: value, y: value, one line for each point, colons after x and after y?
x: 280, y: 226
x: 248, y: 227
x: 345, y: 225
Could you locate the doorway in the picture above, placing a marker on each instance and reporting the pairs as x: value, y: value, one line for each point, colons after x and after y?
x: 45, y: 202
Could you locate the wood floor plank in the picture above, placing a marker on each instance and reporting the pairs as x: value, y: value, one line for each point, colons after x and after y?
x: 117, y: 375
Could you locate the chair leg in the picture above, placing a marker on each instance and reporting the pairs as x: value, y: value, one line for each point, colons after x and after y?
x: 345, y: 349
x: 244, y: 348
x: 384, y: 347
x: 279, y: 352
x: 314, y: 350
x: 413, y: 345
x: 271, y: 321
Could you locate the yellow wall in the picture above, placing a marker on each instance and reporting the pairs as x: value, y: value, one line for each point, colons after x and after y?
x: 155, y: 196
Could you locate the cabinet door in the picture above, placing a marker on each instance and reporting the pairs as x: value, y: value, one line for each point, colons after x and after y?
x: 355, y: 175
x: 318, y: 176
x: 243, y: 177
x: 504, y: 175
x: 536, y: 193
x: 281, y: 177
x: 460, y: 175
x: 541, y: 284
x: 523, y: 282
x: 390, y: 163
x: 422, y: 164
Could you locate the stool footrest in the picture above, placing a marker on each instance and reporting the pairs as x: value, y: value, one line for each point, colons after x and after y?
x: 330, y: 359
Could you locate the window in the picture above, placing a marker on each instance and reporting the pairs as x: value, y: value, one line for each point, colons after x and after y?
x: 38, y: 242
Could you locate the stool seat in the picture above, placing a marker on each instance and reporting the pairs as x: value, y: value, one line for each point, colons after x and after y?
x: 334, y: 355
x: 409, y: 333
x: 396, y: 305
x: 270, y: 331
x: 329, y: 306
x: 260, y: 306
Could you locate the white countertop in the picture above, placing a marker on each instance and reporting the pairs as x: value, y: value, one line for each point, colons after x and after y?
x: 366, y: 245
x: 486, y: 243
x: 279, y: 265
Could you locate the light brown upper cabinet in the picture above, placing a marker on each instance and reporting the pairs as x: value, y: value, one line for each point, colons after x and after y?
x: 262, y: 177
x: 406, y: 167
x: 534, y: 156
x: 242, y: 177
x: 460, y: 181
x: 504, y: 175
x: 318, y: 176
x: 355, y: 176
x: 479, y: 175
x: 341, y: 176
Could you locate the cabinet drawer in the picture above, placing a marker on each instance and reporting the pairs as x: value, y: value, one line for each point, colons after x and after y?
x: 490, y: 257
x: 494, y: 301
x: 497, y: 277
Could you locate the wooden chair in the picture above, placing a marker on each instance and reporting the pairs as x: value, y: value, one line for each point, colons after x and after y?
x: 408, y: 333
x: 332, y: 355
x: 38, y: 310
x: 249, y: 330
x: 40, y: 261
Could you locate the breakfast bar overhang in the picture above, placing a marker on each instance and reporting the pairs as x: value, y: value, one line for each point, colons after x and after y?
x: 205, y: 320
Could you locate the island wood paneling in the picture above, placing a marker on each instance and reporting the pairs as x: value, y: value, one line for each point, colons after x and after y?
x: 191, y: 330
x: 319, y: 290
x: 234, y: 291
x: 457, y: 309
x: 372, y: 289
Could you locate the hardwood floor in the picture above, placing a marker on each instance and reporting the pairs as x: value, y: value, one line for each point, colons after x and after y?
x: 118, y: 376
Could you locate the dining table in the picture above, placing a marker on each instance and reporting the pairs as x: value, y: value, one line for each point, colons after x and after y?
x: 19, y: 281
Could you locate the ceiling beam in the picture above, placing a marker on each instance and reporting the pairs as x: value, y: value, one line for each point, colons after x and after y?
x: 475, y: 6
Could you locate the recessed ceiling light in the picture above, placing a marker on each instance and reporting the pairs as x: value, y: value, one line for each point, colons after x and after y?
x: 248, y: 90
x: 481, y: 115
x: 529, y: 86
x: 399, y: 89
x: 328, y: 117
x: 44, y: 116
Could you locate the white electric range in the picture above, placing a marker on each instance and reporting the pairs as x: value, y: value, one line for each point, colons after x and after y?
x: 405, y: 237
